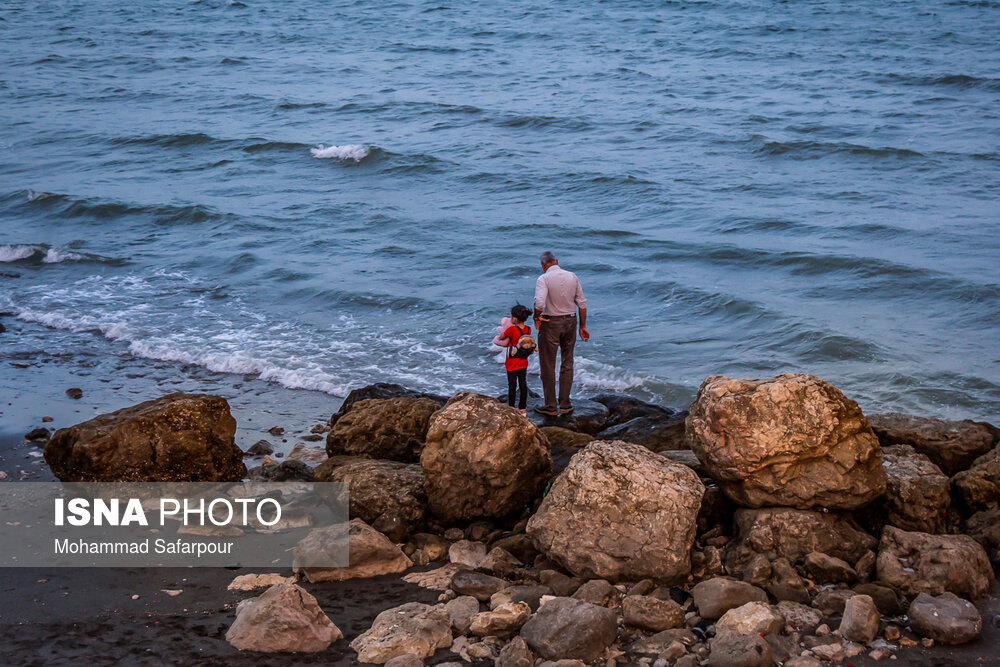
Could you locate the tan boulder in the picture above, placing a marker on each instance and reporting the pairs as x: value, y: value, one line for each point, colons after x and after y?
x: 951, y: 445
x: 979, y: 486
x: 175, y: 438
x: 918, y: 494
x: 753, y: 618
x: 792, y: 440
x: 412, y: 628
x: 780, y: 532
x: 284, y: 619
x: 370, y: 554
x: 384, y: 489
x: 620, y: 512
x: 482, y: 459
x: 913, y: 562
x: 383, y: 428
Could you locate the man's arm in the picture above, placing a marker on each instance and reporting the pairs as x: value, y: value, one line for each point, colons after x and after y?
x: 541, y: 293
x: 581, y: 304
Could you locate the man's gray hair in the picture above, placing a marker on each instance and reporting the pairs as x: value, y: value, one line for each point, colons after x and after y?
x: 548, y: 257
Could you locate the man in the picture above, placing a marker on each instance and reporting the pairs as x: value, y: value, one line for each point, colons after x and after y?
x: 558, y: 295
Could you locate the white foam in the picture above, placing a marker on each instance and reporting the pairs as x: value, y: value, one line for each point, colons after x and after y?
x: 345, y: 152
x: 595, y: 375
x: 14, y: 253
x: 54, y: 256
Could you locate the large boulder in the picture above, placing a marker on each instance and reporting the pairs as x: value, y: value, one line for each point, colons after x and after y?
x: 913, y: 562
x: 284, y: 619
x: 565, y: 628
x: 780, y: 532
x: 979, y: 486
x: 918, y: 494
x: 370, y: 553
x: 620, y: 512
x: 984, y: 527
x: 389, y: 428
x: 482, y: 459
x: 752, y: 618
x: 792, y: 440
x: 947, y: 618
x: 413, y: 628
x: 175, y: 438
x: 380, y: 390
x: 386, y: 491
x: 951, y: 445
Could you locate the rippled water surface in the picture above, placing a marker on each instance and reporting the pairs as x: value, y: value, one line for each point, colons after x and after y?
x: 323, y: 194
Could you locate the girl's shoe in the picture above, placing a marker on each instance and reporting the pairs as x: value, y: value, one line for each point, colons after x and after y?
x: 523, y: 412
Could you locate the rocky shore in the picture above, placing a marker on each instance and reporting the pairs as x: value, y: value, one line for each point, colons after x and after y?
x: 770, y: 523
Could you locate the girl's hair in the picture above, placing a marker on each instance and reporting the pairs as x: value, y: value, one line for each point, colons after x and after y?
x: 520, y: 312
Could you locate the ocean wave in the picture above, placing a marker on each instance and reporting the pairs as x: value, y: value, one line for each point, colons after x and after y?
x: 47, y: 255
x: 344, y: 153
x: 805, y: 150
x: 70, y: 206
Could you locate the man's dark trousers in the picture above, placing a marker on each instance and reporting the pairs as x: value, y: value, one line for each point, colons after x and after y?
x: 559, y: 333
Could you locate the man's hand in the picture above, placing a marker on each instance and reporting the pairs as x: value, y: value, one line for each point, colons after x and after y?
x: 584, y: 334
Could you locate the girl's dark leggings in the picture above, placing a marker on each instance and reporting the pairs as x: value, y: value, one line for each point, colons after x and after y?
x: 515, y: 378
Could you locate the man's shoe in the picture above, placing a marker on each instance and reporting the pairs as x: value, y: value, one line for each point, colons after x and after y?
x: 567, y: 410
x: 543, y: 410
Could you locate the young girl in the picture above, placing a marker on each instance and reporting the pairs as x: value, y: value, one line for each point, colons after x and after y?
x: 520, y: 345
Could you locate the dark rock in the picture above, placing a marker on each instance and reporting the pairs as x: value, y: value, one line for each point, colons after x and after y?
x: 714, y: 597
x: 597, y: 591
x: 659, y: 642
x: 652, y: 614
x: 623, y: 408
x: 560, y: 584
x: 826, y: 569
x: 285, y: 471
x: 565, y: 628
x: 885, y: 598
x: 478, y: 585
x: 786, y: 584
x: 716, y: 508
x: 530, y: 595
x: 179, y: 437
x: 984, y: 527
x: 276, y: 430
x: 657, y: 433
x: 734, y: 650
x: 947, y: 618
x: 565, y: 438
x: 391, y: 428
x: 379, y: 390
x: 519, y: 545
x: 587, y: 417
x: 831, y: 602
x: 979, y: 486
x: 260, y: 448
x: 37, y: 435
x: 951, y: 445
x: 75, y: 392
